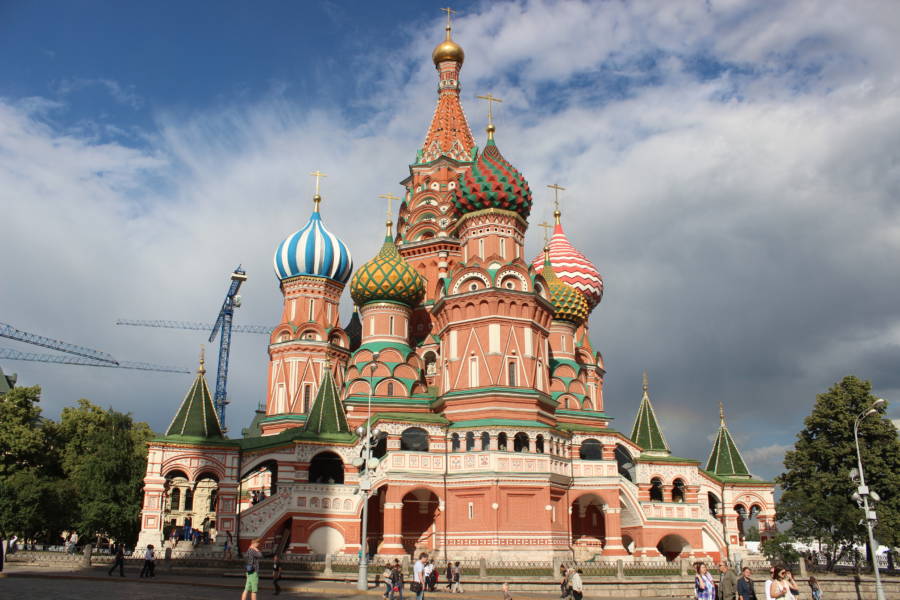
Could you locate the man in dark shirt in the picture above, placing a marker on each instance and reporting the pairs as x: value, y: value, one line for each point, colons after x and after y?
x: 745, y: 589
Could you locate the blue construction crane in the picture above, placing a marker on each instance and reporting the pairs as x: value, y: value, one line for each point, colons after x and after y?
x: 223, y: 324
x: 263, y: 329
x: 74, y: 354
x: 63, y: 359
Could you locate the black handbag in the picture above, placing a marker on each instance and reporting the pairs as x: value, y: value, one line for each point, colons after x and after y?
x: 415, y: 587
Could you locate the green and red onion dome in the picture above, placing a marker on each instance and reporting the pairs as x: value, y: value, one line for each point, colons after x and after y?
x: 492, y: 183
x: 387, y: 277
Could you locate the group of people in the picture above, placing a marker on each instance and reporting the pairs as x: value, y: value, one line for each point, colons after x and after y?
x: 425, y: 578
x: 257, y: 496
x: 571, y: 585
x: 148, y: 569
x: 780, y: 585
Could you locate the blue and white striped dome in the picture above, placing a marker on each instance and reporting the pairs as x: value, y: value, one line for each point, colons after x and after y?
x: 313, y: 251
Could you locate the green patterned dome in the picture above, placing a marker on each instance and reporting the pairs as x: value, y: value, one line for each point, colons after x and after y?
x: 492, y: 182
x: 387, y: 277
x: 568, y: 303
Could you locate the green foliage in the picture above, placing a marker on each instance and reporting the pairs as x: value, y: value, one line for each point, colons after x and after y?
x: 816, y: 485
x: 780, y: 549
x: 752, y: 534
x: 84, y: 472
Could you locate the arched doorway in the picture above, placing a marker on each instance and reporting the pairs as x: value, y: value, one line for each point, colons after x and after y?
x: 417, y: 522
x: 673, y: 546
x: 259, y: 483
x: 326, y: 467
x: 588, y: 523
x: 205, y: 503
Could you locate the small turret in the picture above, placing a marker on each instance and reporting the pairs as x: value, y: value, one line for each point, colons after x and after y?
x: 196, y: 419
x: 646, y: 432
x: 725, y: 460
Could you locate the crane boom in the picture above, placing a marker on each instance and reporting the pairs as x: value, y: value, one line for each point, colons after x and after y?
x: 8, y: 331
x: 11, y: 354
x: 224, y: 324
x: 194, y: 325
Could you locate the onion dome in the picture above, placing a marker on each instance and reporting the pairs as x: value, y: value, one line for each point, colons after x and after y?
x: 492, y: 183
x: 571, y: 266
x: 568, y: 303
x: 313, y: 251
x: 387, y: 277
x: 448, y: 50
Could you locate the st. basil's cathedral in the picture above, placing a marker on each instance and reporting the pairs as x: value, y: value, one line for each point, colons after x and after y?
x: 468, y: 373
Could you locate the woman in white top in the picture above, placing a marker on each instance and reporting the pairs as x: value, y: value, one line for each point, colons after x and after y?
x: 778, y: 587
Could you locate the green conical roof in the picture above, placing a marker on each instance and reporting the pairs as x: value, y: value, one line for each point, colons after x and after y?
x: 725, y: 459
x: 646, y: 432
x: 327, y: 412
x: 197, y: 418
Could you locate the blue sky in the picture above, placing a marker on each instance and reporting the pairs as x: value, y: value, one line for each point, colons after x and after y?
x: 730, y: 165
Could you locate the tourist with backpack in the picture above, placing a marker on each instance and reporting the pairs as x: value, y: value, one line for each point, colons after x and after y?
x: 251, y: 569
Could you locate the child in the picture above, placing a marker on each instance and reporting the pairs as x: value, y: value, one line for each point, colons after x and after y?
x: 816, y: 590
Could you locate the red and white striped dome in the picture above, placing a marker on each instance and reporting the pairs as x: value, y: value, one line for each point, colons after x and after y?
x: 572, y: 266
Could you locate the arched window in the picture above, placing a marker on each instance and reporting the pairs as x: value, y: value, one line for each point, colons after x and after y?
x: 307, y: 397
x: 591, y: 450
x: 380, y: 447
x: 414, y: 439
x: 473, y: 371
x: 713, y: 502
x: 521, y: 443
x: 175, y: 503
x: 678, y: 491
x: 326, y: 467
x: 656, y: 491
x: 188, y: 499
x: 392, y: 325
x: 213, y: 498
x: 470, y: 441
x: 539, y: 444
x: 512, y: 373
x: 454, y: 442
x: 501, y: 442
x: 390, y: 388
x: 485, y: 440
x: 624, y: 462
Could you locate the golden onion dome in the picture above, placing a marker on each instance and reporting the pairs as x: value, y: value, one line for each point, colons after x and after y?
x: 387, y: 277
x: 569, y: 304
x: 448, y: 50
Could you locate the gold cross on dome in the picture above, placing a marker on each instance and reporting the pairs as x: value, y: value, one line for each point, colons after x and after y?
x: 390, y: 198
x: 547, y: 227
x: 318, y: 175
x: 449, y: 12
x: 556, y: 190
x: 490, y: 100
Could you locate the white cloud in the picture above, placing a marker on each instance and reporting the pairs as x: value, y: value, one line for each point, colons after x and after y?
x: 742, y: 219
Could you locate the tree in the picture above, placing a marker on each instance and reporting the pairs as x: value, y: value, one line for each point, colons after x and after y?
x: 105, y: 459
x: 816, y: 484
x: 780, y: 549
x: 752, y: 534
x: 24, y: 433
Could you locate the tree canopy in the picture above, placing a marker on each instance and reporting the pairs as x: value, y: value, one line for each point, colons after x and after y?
x: 84, y: 472
x: 816, y: 485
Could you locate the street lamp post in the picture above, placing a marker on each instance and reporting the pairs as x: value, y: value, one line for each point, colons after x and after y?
x: 863, y: 493
x: 365, y: 484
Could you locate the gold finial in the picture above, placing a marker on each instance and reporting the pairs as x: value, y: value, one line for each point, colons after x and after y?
x: 202, y: 369
x: 556, y: 190
x: 547, y: 227
x: 490, y: 100
x: 646, y: 382
x: 449, y: 12
x: 722, y: 414
x: 390, y: 211
x: 317, y: 198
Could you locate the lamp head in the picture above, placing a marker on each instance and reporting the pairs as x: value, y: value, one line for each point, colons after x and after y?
x: 871, y: 412
x: 878, y: 402
x: 873, y: 496
x: 360, y: 431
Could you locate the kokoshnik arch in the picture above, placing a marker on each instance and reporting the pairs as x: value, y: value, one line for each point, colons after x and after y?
x: 486, y: 383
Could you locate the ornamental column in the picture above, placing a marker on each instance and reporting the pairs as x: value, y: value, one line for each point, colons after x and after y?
x: 393, y: 514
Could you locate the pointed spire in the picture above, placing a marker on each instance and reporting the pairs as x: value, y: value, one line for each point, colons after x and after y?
x: 197, y: 418
x: 725, y: 459
x: 646, y: 432
x: 327, y: 412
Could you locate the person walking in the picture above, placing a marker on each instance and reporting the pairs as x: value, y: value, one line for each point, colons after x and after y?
x: 396, y: 581
x: 276, y: 573
x: 149, y: 567
x: 506, y: 593
x: 119, y: 561
x: 727, y: 582
x: 778, y: 588
x: 386, y: 578
x: 564, y: 581
x: 577, y: 585
x: 457, y: 579
x: 704, y: 587
x: 251, y: 568
x: 448, y: 573
x: 814, y: 588
x: 745, y: 589
x: 418, y: 583
x: 429, y: 569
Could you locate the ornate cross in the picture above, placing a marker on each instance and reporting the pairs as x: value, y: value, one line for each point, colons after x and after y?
x: 547, y: 227
x: 318, y: 175
x: 449, y: 12
x: 490, y: 100
x: 390, y: 198
x: 556, y: 190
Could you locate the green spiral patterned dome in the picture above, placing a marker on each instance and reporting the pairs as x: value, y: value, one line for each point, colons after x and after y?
x: 568, y: 303
x: 387, y: 277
